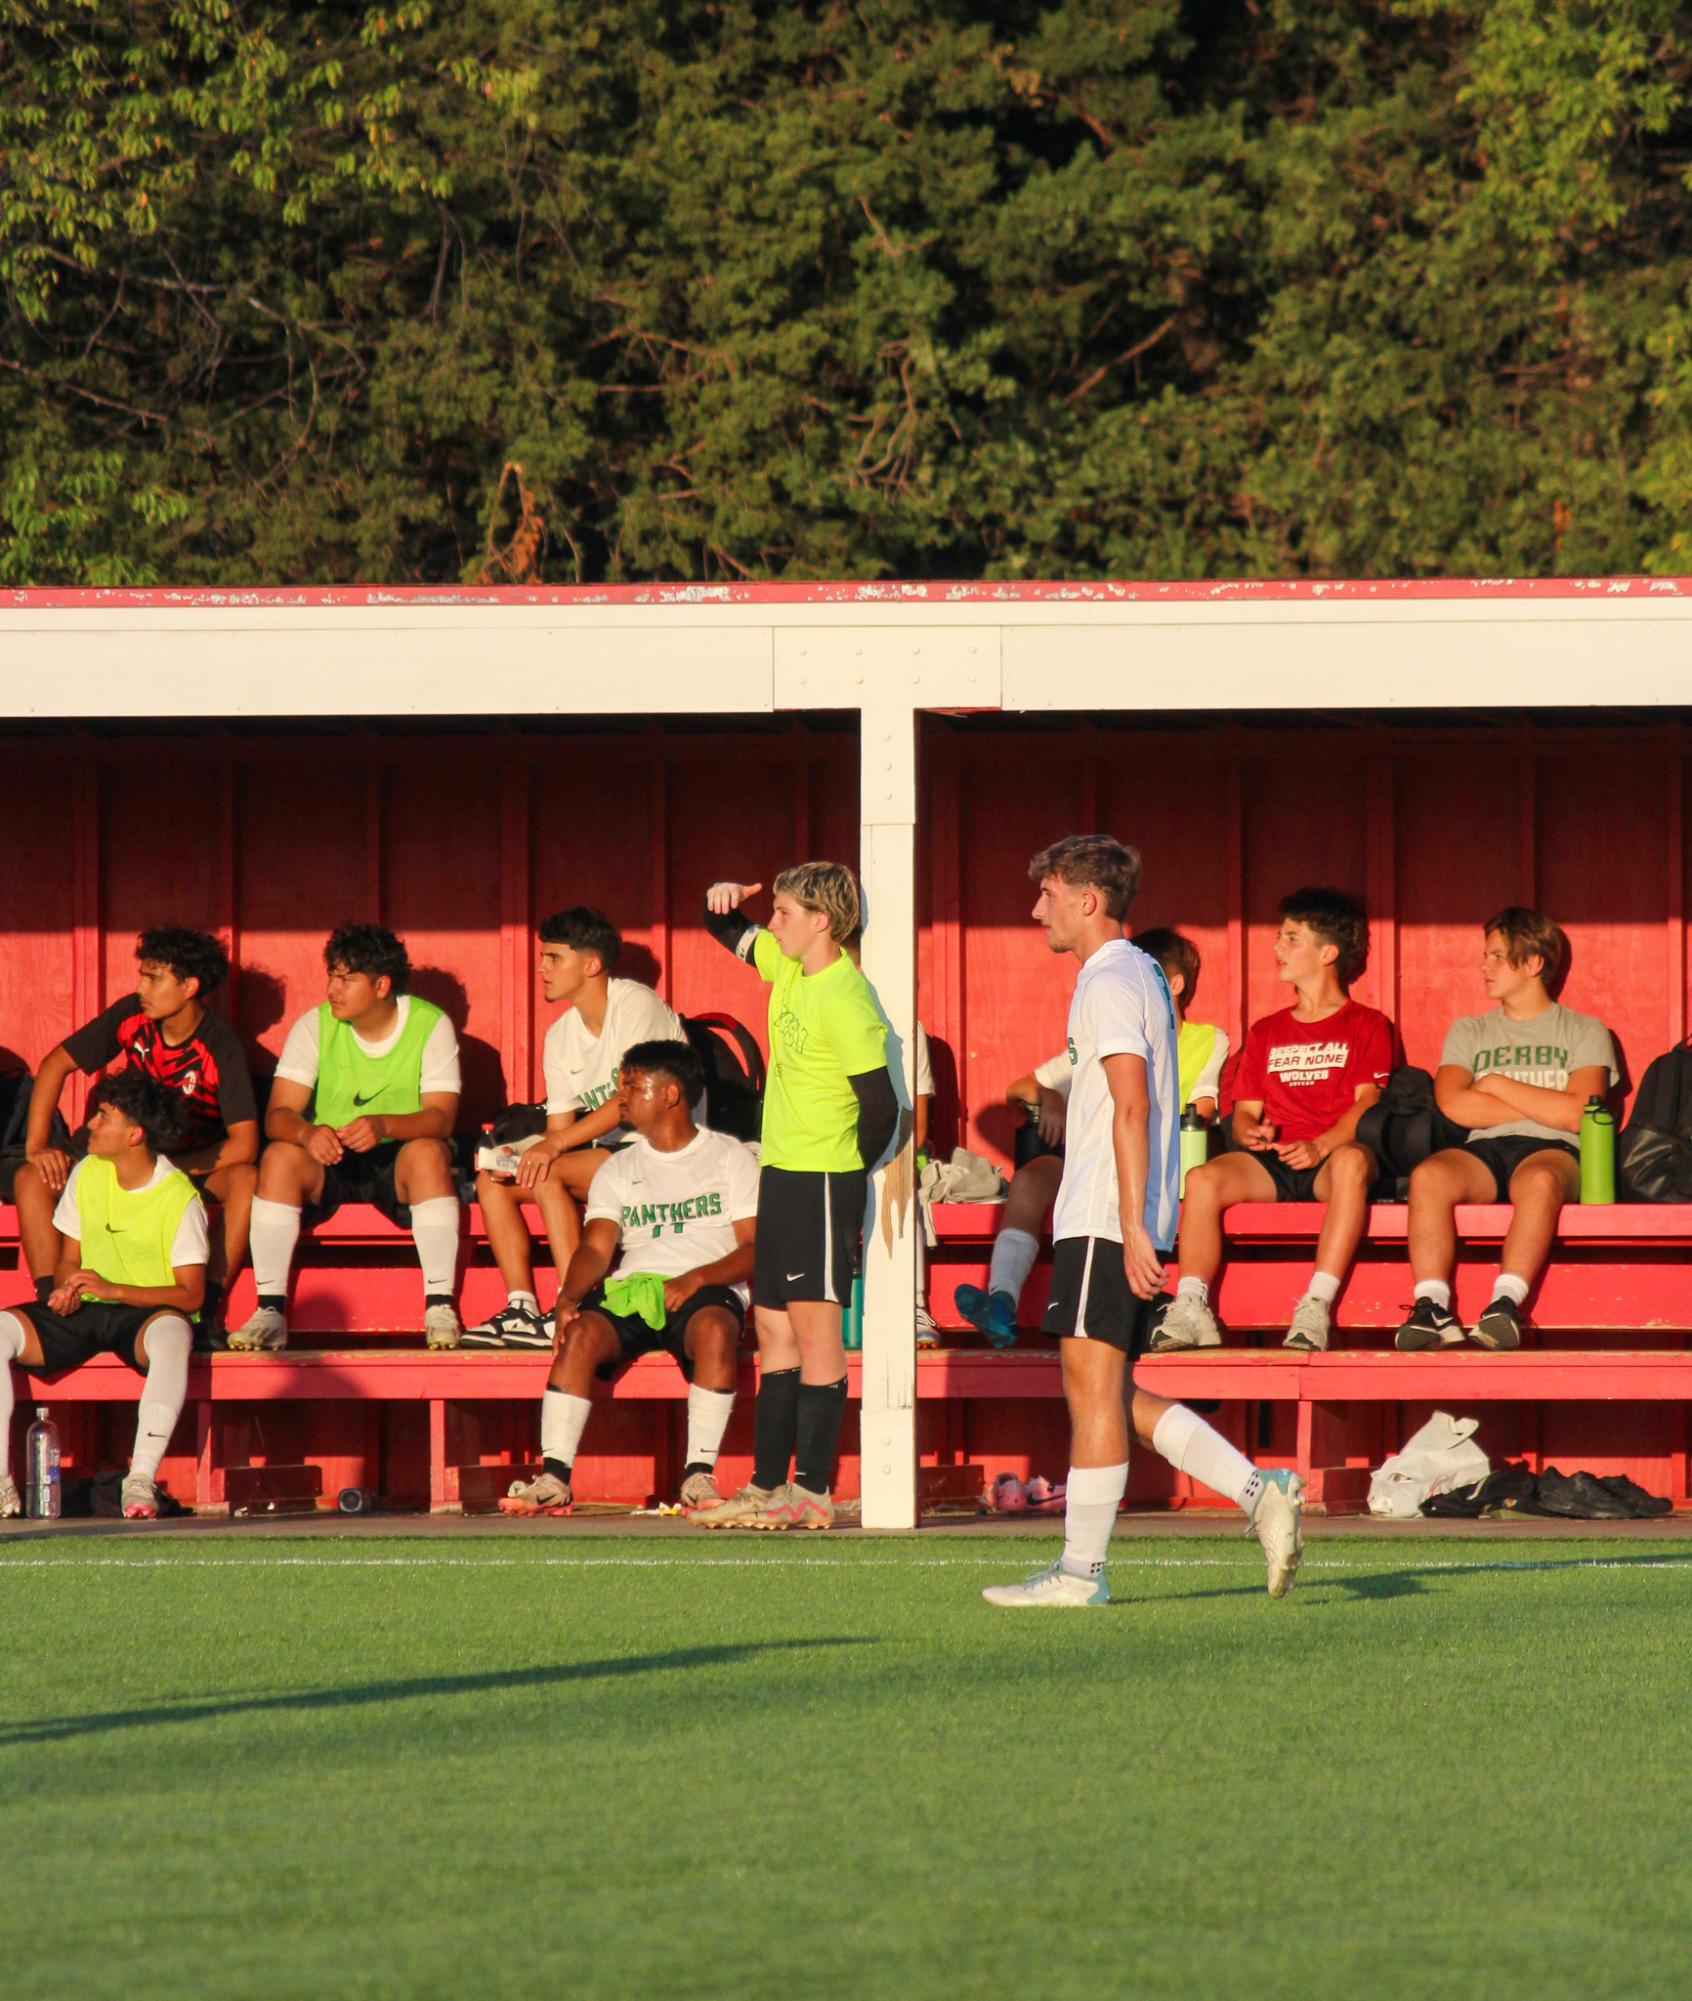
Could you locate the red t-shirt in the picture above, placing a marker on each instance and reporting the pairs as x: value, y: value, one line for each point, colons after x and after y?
x: 1307, y: 1073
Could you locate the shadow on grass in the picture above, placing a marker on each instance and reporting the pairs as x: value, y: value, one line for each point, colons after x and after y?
x: 49, y: 1729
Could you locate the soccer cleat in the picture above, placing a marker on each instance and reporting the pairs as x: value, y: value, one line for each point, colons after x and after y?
x: 10, y: 1504
x: 1309, y: 1325
x: 1055, y: 1586
x: 511, y: 1327
x: 1430, y: 1326
x: 442, y: 1327
x: 140, y: 1499
x: 989, y: 1313
x: 927, y: 1334
x: 1189, y: 1323
x: 1046, y: 1497
x: 794, y: 1507
x: 547, y: 1495
x: 1278, y: 1523
x: 737, y: 1512
x: 1500, y: 1326
x: 700, y: 1490
x: 264, y: 1328
x: 1006, y: 1496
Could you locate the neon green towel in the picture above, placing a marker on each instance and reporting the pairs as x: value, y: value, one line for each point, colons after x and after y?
x: 640, y: 1293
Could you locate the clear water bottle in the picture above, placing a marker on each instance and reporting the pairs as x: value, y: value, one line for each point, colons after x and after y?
x: 41, y: 1456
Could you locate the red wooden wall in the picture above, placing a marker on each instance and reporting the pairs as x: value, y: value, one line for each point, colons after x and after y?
x: 459, y: 842
x: 1434, y: 826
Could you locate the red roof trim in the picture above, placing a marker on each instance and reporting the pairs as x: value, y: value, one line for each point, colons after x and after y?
x: 1468, y: 590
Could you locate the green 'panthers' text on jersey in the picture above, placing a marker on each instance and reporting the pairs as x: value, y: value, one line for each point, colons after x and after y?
x: 676, y: 1211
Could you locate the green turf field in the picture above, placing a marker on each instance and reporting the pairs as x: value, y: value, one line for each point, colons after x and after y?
x: 600, y: 1768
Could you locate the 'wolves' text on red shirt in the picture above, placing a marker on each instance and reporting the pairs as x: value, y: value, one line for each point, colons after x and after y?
x: 1306, y: 1073
x: 209, y: 1069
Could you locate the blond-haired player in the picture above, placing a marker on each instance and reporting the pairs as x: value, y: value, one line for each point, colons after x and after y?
x: 830, y: 1111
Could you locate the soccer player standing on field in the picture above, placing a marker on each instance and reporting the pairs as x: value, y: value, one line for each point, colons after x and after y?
x: 1112, y: 1228
x: 829, y: 1113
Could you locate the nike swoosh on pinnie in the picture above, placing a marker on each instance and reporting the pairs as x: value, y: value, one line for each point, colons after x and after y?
x: 357, y: 1100
x: 792, y: 1275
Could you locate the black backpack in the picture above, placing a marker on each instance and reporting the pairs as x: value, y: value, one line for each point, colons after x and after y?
x: 734, y: 1073
x: 1654, y: 1155
x: 15, y: 1089
x: 1405, y: 1125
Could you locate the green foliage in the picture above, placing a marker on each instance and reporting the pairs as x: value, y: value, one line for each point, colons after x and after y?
x: 622, y: 289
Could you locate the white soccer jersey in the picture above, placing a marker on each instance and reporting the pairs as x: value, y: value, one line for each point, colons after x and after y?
x: 1121, y: 1007
x: 677, y: 1211
x: 582, y: 1069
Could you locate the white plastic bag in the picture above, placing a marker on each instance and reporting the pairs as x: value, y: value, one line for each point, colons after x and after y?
x: 1440, y: 1456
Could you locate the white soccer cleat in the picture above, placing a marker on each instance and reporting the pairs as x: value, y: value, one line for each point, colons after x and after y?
x: 1278, y: 1523
x: 265, y: 1328
x: 140, y: 1499
x: 1187, y: 1324
x: 1309, y: 1326
x: 9, y: 1502
x: 442, y: 1327
x: 1053, y: 1587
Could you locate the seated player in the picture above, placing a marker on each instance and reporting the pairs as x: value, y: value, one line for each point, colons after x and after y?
x: 165, y: 1029
x: 1307, y: 1075
x: 130, y: 1277
x: 1201, y: 1049
x: 676, y: 1210
x: 580, y: 1058
x: 361, y: 1111
x: 1518, y: 1077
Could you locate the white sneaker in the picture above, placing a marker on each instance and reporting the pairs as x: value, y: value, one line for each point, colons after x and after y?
x: 265, y: 1329
x: 1278, y: 1523
x: 1308, y: 1327
x: 442, y: 1327
x: 140, y: 1499
x: 1189, y: 1323
x: 9, y: 1502
x: 1050, y: 1587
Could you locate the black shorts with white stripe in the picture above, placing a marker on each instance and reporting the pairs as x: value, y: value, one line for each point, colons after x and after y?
x: 1090, y: 1297
x: 808, y: 1231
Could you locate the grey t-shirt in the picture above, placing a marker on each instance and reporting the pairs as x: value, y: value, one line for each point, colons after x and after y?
x: 1542, y: 1051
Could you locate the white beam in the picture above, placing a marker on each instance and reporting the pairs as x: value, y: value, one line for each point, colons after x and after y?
x: 887, y: 1416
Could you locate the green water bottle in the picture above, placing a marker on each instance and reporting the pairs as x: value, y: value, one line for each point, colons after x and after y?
x: 1195, y: 1144
x: 1597, y: 1152
x: 852, y: 1321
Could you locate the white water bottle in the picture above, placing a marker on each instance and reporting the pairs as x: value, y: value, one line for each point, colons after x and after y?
x: 41, y: 1456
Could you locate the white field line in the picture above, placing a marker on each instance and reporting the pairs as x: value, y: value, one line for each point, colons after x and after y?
x: 1002, y: 1561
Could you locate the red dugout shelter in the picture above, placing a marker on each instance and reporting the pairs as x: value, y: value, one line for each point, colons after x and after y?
x: 456, y: 763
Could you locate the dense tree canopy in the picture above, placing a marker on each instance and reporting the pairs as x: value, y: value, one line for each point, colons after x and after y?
x: 625, y: 289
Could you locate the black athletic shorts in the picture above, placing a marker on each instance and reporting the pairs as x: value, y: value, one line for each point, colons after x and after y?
x: 634, y: 1337
x: 1503, y: 1156
x: 361, y: 1177
x: 95, y: 1328
x: 1091, y: 1299
x: 1298, y: 1184
x: 809, y: 1226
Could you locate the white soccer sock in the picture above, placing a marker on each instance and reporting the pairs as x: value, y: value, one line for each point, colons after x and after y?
x: 523, y: 1297
x: 434, y: 1230
x: 1014, y: 1253
x: 1508, y: 1286
x: 1192, y: 1446
x: 563, y: 1420
x: 1435, y: 1289
x: 1323, y: 1286
x: 274, y: 1233
x: 1092, y: 1497
x: 707, y: 1419
x: 1194, y: 1288
x: 168, y: 1344
x: 11, y: 1348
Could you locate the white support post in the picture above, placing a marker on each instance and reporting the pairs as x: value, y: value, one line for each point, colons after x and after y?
x: 888, y: 1442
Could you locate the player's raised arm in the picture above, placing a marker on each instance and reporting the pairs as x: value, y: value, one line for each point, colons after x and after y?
x: 726, y: 921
